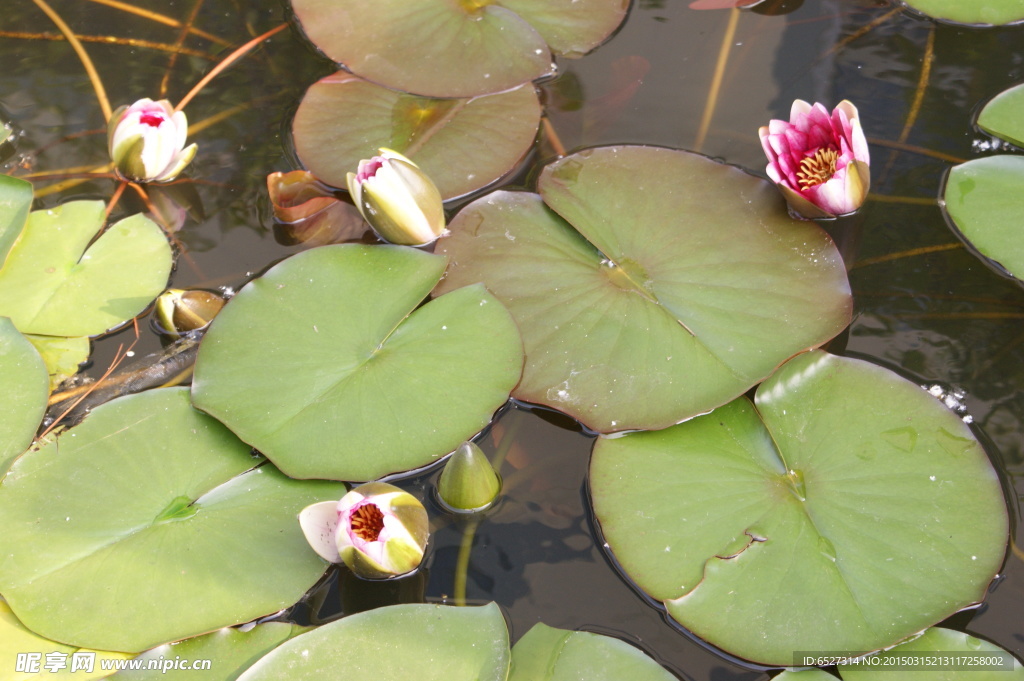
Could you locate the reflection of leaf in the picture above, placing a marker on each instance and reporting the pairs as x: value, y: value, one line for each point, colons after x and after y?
x: 683, y: 283
x: 804, y: 495
x: 474, y: 48
x: 351, y: 378
x: 463, y: 644
x: 462, y: 144
x: 57, y: 281
x: 109, y: 561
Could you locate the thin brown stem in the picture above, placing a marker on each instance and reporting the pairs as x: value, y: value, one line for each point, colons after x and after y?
x: 160, y: 19
x: 111, y: 40
x: 916, y: 150
x: 923, y: 250
x: 915, y: 107
x: 179, y: 42
x: 225, y: 63
x: 552, y: 137
x: 716, y: 81
x: 94, y: 77
x: 115, y: 198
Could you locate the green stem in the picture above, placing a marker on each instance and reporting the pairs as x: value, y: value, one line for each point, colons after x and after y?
x: 462, y: 566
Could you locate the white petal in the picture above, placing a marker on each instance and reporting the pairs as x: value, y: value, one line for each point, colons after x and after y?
x: 319, y: 522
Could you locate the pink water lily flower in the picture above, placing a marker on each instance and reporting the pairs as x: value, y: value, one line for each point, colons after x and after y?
x: 146, y: 141
x: 377, y: 530
x: 819, y: 162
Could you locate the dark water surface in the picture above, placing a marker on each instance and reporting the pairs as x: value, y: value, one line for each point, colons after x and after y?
x: 940, y: 316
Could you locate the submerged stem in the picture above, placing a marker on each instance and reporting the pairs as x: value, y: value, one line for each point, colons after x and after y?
x: 462, y: 566
x: 716, y: 81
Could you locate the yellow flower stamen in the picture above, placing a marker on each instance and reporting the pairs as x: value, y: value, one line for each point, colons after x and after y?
x: 367, y: 522
x: 817, y: 169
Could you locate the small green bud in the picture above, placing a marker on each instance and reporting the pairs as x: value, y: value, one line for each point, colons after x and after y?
x: 468, y: 482
x: 179, y: 311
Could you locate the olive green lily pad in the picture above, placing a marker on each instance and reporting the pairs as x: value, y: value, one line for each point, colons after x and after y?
x: 229, y: 651
x: 462, y: 144
x: 980, y: 12
x: 1004, y: 116
x: 950, y: 655
x: 415, y: 641
x: 15, y: 202
x: 936, y: 655
x: 548, y: 654
x: 23, y: 398
x: 847, y: 510
x: 440, y: 48
x: 686, y: 283
x: 984, y: 201
x: 57, y: 281
x: 15, y: 639
x: 61, y: 355
x: 326, y: 365
x: 148, y: 523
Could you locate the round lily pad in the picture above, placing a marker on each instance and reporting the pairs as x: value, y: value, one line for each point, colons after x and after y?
x: 984, y: 201
x: 25, y: 384
x: 844, y: 510
x: 985, y: 13
x: 462, y: 144
x: 1003, y: 116
x: 230, y: 652
x: 57, y: 281
x: 440, y: 48
x: 169, y: 528
x: 649, y: 285
x: 548, y: 654
x: 326, y: 365
x: 416, y: 641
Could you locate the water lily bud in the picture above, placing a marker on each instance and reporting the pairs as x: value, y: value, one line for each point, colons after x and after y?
x: 377, y: 530
x: 399, y: 201
x: 819, y: 162
x: 468, y: 481
x: 179, y: 311
x: 147, y: 141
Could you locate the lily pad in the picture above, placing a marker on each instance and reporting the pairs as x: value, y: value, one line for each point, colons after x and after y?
x: 326, y: 365
x: 15, y: 639
x: 15, y: 202
x: 548, y: 654
x: 23, y: 398
x: 686, y: 283
x: 986, y: 13
x: 462, y: 144
x: 170, y: 529
x: 61, y: 355
x: 440, y: 48
x: 57, y: 281
x: 416, y: 641
x: 846, y: 511
x: 936, y: 655
x: 984, y: 201
x: 230, y: 652
x: 1004, y: 116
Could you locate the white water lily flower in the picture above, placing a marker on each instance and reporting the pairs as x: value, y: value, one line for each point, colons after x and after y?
x: 377, y: 530
x: 146, y: 141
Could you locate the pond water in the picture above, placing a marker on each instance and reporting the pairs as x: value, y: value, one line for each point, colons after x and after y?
x: 925, y: 306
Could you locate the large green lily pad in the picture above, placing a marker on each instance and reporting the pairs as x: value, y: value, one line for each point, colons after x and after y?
x: 847, y: 510
x: 975, y: 12
x: 441, y: 48
x: 462, y: 144
x: 686, y: 283
x: 148, y: 523
x: 416, y: 641
x: 229, y: 651
x: 1003, y: 116
x: 57, y: 281
x: 326, y: 365
x: 23, y: 398
x: 15, y: 202
x: 15, y: 639
x: 936, y: 655
x: 984, y: 200
x: 548, y: 654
